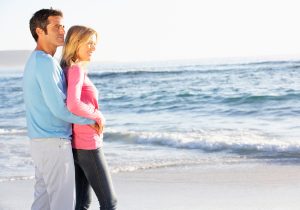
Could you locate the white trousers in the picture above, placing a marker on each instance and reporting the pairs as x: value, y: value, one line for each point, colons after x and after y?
x: 54, y: 187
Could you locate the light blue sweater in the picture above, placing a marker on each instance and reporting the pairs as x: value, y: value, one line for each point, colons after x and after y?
x: 44, y: 87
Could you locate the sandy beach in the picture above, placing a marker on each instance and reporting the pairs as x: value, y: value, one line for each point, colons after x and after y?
x: 226, y: 187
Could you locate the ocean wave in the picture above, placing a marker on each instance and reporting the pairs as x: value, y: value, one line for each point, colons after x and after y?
x: 207, y: 104
x: 130, y: 73
x: 8, y: 131
x: 10, y: 79
x: 196, y: 68
x: 260, y: 98
x: 115, y: 169
x: 15, y: 178
x: 275, y: 62
x: 240, y: 142
x: 153, y: 165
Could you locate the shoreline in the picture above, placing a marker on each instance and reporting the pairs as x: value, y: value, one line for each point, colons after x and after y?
x: 225, y: 187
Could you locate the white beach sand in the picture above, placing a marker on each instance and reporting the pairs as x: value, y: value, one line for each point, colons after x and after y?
x: 225, y: 187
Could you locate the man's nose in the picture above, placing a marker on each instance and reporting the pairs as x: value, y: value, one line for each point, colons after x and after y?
x: 61, y: 30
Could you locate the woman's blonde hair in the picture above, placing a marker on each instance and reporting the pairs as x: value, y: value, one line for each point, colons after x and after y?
x: 76, y: 36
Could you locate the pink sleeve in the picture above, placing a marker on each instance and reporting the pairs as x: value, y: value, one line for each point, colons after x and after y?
x: 74, y: 104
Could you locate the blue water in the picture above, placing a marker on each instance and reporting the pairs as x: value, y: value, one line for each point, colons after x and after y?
x: 162, y: 115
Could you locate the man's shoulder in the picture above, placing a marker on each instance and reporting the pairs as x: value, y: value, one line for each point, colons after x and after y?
x: 46, y: 61
x: 37, y: 60
x: 43, y: 58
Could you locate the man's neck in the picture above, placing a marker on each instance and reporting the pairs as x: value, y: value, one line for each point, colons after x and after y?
x: 46, y: 49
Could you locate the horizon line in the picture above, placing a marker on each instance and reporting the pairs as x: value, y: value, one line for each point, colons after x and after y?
x: 217, y: 59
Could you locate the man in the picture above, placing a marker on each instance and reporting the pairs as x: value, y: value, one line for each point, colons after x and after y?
x: 48, y: 120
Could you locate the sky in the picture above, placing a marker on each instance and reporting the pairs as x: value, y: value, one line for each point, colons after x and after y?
x: 147, y: 30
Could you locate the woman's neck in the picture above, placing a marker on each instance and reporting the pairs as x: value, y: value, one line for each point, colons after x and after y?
x: 82, y: 64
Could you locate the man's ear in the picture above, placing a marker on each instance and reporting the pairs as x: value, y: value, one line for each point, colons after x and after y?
x: 39, y: 31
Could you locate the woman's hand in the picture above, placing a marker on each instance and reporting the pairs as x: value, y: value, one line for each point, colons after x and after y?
x: 98, y: 128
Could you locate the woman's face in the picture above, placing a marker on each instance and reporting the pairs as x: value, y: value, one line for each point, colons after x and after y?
x: 86, y: 49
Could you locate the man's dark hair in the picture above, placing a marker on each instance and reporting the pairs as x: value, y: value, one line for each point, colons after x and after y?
x: 40, y: 20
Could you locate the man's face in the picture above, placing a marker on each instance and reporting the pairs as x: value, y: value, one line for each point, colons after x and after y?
x: 55, y: 31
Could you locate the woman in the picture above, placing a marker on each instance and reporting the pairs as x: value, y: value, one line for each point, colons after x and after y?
x: 91, y: 169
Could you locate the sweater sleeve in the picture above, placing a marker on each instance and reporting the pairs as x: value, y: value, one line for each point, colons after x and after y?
x: 74, y: 104
x: 50, y: 82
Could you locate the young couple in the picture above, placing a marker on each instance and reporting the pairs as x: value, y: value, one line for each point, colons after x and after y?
x: 57, y: 96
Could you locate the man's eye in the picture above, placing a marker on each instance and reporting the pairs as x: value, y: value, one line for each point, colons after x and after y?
x: 59, y: 26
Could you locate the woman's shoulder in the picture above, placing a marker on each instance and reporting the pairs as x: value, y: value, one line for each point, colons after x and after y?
x: 75, y: 71
x: 74, y: 67
x: 78, y: 67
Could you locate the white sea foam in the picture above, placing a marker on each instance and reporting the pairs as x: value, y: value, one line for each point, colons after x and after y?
x: 211, y: 141
x: 6, y: 131
x: 15, y: 178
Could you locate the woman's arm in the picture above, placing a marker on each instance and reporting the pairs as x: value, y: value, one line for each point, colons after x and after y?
x: 51, y: 85
x: 75, y: 105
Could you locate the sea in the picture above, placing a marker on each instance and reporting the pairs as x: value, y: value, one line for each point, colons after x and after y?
x: 176, y: 114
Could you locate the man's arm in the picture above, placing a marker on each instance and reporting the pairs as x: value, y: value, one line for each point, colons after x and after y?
x: 51, y: 85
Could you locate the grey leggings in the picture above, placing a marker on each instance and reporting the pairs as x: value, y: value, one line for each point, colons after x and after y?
x: 91, y: 172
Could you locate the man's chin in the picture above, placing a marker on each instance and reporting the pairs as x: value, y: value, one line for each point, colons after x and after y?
x: 60, y: 44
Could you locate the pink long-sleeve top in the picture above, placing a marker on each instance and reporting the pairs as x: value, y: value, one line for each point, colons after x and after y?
x: 82, y: 100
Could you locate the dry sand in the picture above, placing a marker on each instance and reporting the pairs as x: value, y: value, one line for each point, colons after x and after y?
x: 225, y: 187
